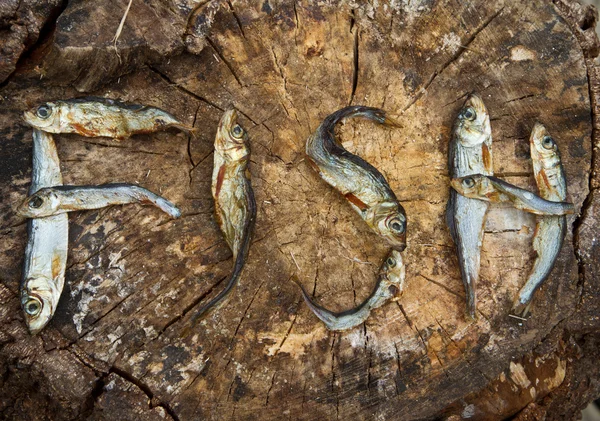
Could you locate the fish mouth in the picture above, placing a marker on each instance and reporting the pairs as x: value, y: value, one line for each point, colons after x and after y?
x: 537, y: 133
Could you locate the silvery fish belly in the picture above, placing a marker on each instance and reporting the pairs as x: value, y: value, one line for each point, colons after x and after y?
x: 363, y: 186
x: 100, y: 117
x: 46, y: 250
x: 550, y: 230
x: 470, y: 152
x: 390, y: 283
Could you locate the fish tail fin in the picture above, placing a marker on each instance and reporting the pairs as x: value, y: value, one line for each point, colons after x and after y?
x: 371, y: 113
x: 148, y: 197
x: 322, y: 313
x: 168, y: 207
x: 471, y: 309
x: 521, y: 306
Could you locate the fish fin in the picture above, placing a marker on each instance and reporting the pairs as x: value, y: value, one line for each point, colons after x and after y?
x: 487, y: 158
x: 350, y: 197
x: 519, y: 308
x: 322, y: 313
x: 220, y: 177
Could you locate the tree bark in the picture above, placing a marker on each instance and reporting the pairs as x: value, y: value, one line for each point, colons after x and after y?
x: 115, y: 348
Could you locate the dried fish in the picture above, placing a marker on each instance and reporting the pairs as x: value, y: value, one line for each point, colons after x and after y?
x: 100, y: 117
x: 363, y: 186
x: 47, y: 242
x: 235, y: 207
x: 60, y: 199
x: 492, y: 189
x: 389, y: 286
x: 550, y: 230
x: 470, y: 152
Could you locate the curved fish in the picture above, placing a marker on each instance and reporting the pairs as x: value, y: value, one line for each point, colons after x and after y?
x: 363, y: 186
x: 47, y: 242
x: 470, y: 152
x: 389, y: 286
x: 100, y: 117
x: 60, y: 199
x: 235, y: 207
x: 550, y: 231
x: 492, y: 189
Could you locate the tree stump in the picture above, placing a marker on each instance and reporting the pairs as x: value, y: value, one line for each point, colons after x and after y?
x: 115, y: 348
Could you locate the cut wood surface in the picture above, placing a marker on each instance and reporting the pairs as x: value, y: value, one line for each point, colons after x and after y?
x: 115, y: 348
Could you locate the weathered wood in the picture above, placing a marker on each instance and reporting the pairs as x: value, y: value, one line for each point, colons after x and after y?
x: 115, y: 346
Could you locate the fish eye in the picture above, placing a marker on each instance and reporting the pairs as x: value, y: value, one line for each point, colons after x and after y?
x: 237, y: 131
x: 470, y: 114
x: 44, y: 111
x: 397, y: 226
x: 548, y: 142
x: 33, y: 307
x: 391, y: 262
x: 36, y: 202
x: 468, y: 182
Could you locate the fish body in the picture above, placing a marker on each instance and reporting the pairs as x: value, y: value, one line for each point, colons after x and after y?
x: 60, y: 199
x: 364, y: 187
x: 235, y: 206
x: 47, y: 242
x: 389, y: 286
x: 492, y: 189
x: 100, y: 117
x: 550, y: 231
x: 470, y: 152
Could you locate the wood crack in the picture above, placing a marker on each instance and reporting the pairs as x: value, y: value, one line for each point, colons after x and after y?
x: 454, y: 58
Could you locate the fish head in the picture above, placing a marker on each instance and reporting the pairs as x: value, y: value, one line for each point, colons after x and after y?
x: 472, y: 126
x: 471, y: 186
x: 231, y: 138
x: 46, y: 117
x: 541, y: 143
x: 389, y: 220
x: 39, y: 298
x: 394, y: 271
x: 42, y: 203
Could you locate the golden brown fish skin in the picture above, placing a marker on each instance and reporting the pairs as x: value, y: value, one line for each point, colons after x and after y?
x: 469, y: 152
x: 492, y: 189
x: 47, y: 243
x: 389, y: 287
x: 364, y: 187
x: 235, y: 206
x: 550, y: 231
x: 100, y: 117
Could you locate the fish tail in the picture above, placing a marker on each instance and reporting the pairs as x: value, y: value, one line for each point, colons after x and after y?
x: 521, y: 306
x: 163, y: 204
x: 168, y: 207
x: 471, y: 306
x: 371, y: 113
x: 322, y: 313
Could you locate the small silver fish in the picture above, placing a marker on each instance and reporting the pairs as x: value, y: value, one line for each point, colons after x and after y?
x: 60, y: 199
x: 235, y: 206
x: 470, y: 152
x: 550, y: 231
x: 100, y: 117
x: 364, y: 187
x: 389, y: 286
x: 47, y: 242
x: 492, y: 189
